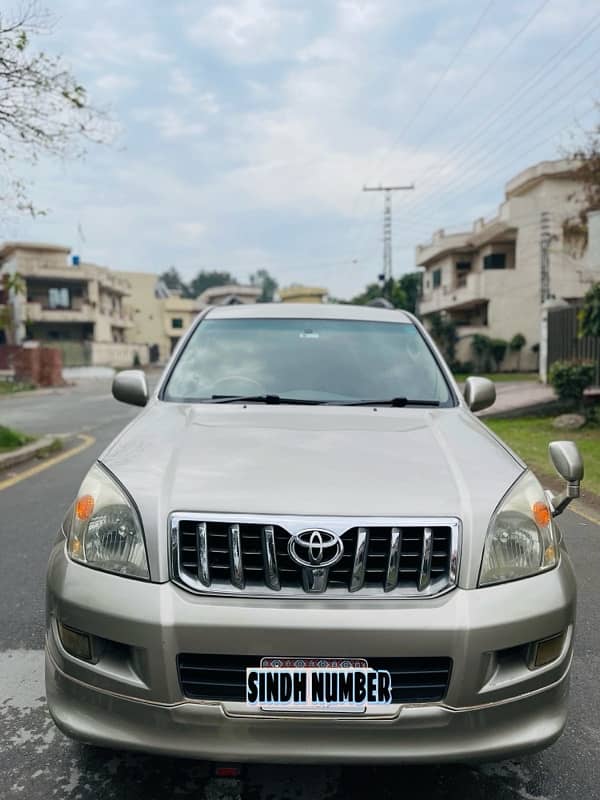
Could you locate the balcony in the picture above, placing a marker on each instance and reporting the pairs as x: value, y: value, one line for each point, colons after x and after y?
x: 36, y: 312
x: 467, y: 290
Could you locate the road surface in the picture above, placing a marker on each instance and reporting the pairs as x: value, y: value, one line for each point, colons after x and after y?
x: 36, y: 761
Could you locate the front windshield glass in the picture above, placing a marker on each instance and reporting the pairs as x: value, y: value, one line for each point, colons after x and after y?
x: 318, y: 360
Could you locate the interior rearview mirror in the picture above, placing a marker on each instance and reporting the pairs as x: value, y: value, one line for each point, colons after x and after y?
x: 479, y: 393
x: 567, y: 461
x: 130, y: 387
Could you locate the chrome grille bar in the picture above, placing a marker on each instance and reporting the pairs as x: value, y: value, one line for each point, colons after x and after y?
x: 425, y: 571
x: 360, y: 560
x: 229, y: 554
x: 391, y: 576
x: 235, y: 549
x: 270, y: 556
x: 202, y: 545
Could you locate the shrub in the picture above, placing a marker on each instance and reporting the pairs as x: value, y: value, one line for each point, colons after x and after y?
x: 589, y: 316
x: 570, y: 379
x: 136, y: 359
x: 516, y: 344
x: 481, y: 347
x: 498, y: 348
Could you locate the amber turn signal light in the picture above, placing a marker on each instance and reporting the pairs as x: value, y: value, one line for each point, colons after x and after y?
x: 541, y: 513
x: 84, y: 507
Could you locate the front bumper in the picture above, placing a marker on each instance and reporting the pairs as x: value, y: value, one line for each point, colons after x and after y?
x: 495, y: 707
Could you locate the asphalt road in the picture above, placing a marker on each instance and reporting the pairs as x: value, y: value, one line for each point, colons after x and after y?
x: 36, y: 761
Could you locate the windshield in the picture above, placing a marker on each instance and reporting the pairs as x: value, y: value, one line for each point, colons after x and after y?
x: 325, y: 361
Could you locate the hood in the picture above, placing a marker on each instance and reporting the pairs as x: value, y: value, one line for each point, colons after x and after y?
x: 316, y: 460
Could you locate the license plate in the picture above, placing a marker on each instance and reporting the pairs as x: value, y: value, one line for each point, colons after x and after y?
x: 316, y: 685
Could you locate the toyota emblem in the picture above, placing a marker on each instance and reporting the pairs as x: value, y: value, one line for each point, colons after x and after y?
x: 315, y: 548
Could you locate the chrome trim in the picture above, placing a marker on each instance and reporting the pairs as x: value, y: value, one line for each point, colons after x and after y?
x: 425, y: 573
x: 391, y: 577
x: 360, y: 560
x: 203, y: 573
x: 270, y: 555
x: 235, y: 548
x: 295, y: 524
x: 314, y: 580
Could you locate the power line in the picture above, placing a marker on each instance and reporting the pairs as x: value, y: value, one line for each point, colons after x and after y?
x: 482, y: 74
x: 454, y: 164
x: 439, y: 81
x: 477, y: 166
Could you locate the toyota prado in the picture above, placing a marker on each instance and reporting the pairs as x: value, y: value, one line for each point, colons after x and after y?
x: 307, y: 548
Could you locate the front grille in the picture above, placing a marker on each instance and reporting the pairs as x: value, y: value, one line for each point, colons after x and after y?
x: 251, y: 554
x: 223, y: 677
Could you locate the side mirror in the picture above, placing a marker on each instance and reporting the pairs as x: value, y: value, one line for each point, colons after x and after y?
x: 130, y: 387
x: 479, y: 393
x: 567, y: 461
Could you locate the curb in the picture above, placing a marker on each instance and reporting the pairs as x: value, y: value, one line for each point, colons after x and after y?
x: 24, y: 453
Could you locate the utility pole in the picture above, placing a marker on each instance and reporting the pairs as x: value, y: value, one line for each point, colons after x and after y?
x: 386, y: 275
x: 545, y: 239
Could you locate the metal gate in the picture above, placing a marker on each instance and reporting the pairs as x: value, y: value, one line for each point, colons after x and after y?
x: 565, y: 345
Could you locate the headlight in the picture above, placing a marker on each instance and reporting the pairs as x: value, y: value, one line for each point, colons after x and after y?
x: 521, y: 538
x: 106, y: 532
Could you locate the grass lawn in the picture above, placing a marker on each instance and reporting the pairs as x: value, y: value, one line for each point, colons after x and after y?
x: 10, y: 387
x: 11, y: 439
x: 501, y: 377
x: 529, y: 438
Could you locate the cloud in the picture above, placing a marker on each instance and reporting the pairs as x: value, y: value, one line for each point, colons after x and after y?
x: 170, y: 122
x: 246, y: 30
x: 190, y: 230
x: 103, y: 43
x: 115, y: 83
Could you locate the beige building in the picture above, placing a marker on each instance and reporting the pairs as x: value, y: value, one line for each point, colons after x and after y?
x: 229, y: 295
x: 161, y: 316
x: 488, y: 280
x: 303, y: 294
x: 78, y: 307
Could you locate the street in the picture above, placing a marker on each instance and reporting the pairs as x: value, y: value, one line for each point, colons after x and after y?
x: 36, y: 761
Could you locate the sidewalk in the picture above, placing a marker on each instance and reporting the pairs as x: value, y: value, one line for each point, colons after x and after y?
x: 520, y: 397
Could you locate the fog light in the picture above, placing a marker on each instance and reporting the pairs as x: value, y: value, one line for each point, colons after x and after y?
x: 546, y: 651
x: 75, y: 643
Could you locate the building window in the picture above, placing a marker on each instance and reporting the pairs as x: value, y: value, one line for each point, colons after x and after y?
x: 177, y: 322
x: 58, y: 298
x: 437, y: 278
x: 494, y: 261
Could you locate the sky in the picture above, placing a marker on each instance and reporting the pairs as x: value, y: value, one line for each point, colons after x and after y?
x: 245, y: 130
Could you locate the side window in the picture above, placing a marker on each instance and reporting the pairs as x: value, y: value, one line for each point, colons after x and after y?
x: 494, y: 261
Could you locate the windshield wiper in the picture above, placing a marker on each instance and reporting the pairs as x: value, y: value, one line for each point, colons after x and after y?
x: 268, y: 399
x: 396, y: 402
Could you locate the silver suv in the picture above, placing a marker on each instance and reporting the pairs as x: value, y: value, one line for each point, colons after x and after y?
x: 307, y: 494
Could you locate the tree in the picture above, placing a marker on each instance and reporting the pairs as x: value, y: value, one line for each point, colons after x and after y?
x: 12, y: 285
x: 481, y: 346
x: 207, y: 279
x: 43, y: 108
x: 411, y: 286
x: 498, y: 349
x: 588, y: 171
x: 268, y: 285
x: 173, y: 281
x: 443, y: 330
x: 392, y: 291
x: 589, y: 316
x: 516, y: 344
